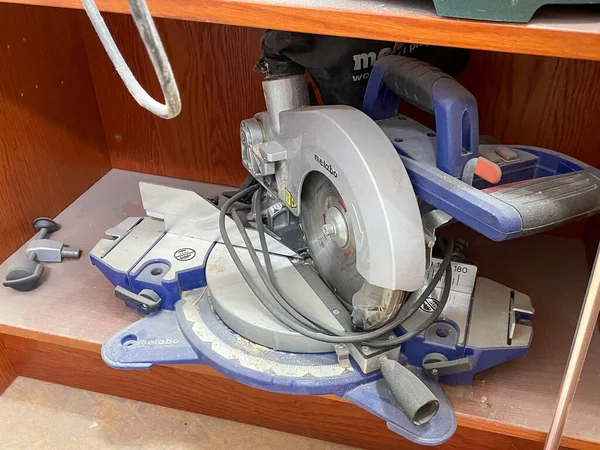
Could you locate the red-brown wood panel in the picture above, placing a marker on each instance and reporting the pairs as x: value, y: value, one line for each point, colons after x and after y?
x: 213, y: 67
x: 536, y: 100
x: 7, y: 373
x: 52, y: 145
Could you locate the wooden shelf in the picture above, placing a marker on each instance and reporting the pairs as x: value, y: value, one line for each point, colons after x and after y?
x: 570, y: 33
x: 54, y: 333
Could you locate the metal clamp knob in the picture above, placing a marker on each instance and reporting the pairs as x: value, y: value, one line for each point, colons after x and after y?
x: 147, y: 300
x: 26, y: 276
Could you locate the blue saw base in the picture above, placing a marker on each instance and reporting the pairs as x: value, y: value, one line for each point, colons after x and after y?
x: 194, y: 334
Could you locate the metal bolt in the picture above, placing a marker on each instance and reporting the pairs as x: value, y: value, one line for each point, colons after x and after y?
x: 329, y: 229
x: 70, y: 253
x: 365, y: 348
x: 336, y: 311
x: 434, y: 371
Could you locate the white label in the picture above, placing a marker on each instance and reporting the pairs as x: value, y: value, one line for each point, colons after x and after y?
x: 463, y: 276
x: 459, y: 300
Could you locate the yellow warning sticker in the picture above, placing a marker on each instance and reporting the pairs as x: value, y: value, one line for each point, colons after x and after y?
x: 289, y: 199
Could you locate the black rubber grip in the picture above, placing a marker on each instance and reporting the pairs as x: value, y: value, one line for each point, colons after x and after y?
x: 413, y: 80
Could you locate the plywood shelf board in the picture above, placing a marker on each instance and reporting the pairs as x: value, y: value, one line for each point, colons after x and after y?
x: 75, y: 307
x: 571, y: 33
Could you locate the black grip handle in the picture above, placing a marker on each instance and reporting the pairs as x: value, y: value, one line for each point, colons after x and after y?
x: 413, y: 81
x: 24, y: 276
x: 147, y: 300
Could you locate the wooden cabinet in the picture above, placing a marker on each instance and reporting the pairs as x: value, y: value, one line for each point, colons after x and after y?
x: 66, y: 120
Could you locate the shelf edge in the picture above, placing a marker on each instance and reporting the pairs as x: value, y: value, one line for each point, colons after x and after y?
x: 535, y: 39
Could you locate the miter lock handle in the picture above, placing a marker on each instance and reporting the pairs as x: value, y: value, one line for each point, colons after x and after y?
x: 428, y: 88
x: 147, y: 300
x: 437, y: 365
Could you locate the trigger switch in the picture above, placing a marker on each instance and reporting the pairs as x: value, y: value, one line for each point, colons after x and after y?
x: 506, y: 153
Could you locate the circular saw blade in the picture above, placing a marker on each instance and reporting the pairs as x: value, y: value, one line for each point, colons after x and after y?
x: 329, y: 236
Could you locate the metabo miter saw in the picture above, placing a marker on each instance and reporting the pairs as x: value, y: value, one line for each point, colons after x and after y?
x: 323, y: 273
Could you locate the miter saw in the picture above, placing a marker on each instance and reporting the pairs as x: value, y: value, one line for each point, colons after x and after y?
x: 323, y: 274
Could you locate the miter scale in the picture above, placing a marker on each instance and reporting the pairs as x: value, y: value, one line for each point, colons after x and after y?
x: 332, y: 279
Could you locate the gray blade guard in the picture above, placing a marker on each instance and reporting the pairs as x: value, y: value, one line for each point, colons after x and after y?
x: 351, y: 150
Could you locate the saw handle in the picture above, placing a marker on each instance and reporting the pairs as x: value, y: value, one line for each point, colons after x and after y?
x: 414, y: 81
x: 428, y: 88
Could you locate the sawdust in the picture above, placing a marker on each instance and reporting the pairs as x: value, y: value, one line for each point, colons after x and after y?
x: 217, y: 266
x: 251, y: 347
x: 399, y: 176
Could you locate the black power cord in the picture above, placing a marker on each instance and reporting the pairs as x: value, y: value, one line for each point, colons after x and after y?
x: 277, y: 304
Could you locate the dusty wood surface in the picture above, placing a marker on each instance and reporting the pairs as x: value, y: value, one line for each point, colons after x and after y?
x: 52, y: 144
x: 572, y: 33
x: 75, y: 308
x: 37, y: 414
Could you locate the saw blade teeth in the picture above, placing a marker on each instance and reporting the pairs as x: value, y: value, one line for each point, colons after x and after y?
x: 329, y: 235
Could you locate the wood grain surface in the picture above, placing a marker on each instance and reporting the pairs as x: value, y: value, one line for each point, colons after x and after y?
x: 541, y: 101
x: 209, y: 393
x: 515, y: 398
x: 52, y: 144
x: 574, y: 33
x: 213, y: 66
x: 41, y: 415
x: 7, y: 372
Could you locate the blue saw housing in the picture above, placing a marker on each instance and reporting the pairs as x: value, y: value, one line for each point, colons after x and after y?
x: 539, y: 189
